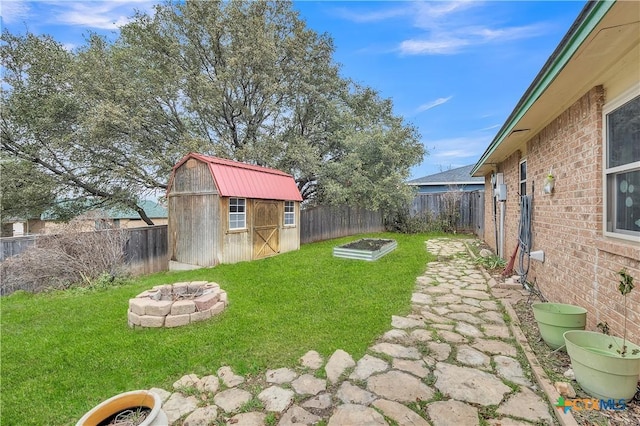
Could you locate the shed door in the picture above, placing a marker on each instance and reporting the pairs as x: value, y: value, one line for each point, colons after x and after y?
x: 266, y: 221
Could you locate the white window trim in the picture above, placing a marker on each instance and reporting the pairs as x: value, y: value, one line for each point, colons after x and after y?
x: 244, y: 214
x: 284, y: 219
x: 520, y: 180
x: 614, y: 104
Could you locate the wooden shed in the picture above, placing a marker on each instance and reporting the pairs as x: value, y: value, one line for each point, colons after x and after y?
x: 223, y: 211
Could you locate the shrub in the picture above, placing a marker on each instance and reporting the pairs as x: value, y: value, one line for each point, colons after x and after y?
x: 65, y: 259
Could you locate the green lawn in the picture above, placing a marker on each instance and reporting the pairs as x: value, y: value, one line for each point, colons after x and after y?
x: 64, y: 352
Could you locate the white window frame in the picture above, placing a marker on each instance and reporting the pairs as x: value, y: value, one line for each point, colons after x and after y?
x: 522, y: 182
x: 608, y: 226
x: 237, y: 218
x: 290, y: 215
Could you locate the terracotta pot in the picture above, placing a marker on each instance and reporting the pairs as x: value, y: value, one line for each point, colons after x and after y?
x: 123, y: 401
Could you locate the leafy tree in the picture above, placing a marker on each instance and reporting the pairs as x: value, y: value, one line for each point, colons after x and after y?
x: 25, y: 191
x: 241, y: 80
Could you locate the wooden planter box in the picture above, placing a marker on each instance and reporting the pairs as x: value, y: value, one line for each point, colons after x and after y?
x: 359, y: 249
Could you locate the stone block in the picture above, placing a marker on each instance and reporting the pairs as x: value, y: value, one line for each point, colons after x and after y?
x: 182, y: 307
x: 151, y: 321
x: 177, y: 320
x: 180, y: 288
x: 134, y: 319
x: 138, y: 306
x: 165, y: 290
x: 195, y: 286
x: 200, y: 316
x: 206, y: 301
x: 158, y: 308
x: 223, y: 297
x: 217, y: 308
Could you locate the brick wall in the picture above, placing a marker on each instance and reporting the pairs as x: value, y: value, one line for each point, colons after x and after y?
x: 580, y: 265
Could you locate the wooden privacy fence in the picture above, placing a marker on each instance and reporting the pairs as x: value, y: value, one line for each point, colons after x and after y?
x: 469, y: 208
x: 146, y: 249
x: 326, y: 222
x: 12, y: 246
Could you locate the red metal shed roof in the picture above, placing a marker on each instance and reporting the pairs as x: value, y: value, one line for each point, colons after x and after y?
x: 235, y: 179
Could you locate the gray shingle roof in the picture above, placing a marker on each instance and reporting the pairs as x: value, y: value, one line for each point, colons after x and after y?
x: 454, y: 176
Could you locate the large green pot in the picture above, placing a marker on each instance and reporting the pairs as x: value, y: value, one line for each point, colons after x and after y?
x: 599, y: 369
x: 556, y: 318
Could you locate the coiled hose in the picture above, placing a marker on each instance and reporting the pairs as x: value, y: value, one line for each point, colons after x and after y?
x: 524, y: 237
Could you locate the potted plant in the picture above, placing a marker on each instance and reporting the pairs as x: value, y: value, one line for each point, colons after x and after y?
x: 135, y: 408
x: 555, y: 318
x: 606, y: 367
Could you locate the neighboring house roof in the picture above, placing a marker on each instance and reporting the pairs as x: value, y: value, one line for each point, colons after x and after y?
x: 605, y: 33
x: 235, y: 179
x: 153, y: 210
x: 458, y: 176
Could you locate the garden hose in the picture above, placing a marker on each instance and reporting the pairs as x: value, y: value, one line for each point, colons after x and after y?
x: 524, y: 237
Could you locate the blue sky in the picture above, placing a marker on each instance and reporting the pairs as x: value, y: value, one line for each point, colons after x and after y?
x: 455, y: 70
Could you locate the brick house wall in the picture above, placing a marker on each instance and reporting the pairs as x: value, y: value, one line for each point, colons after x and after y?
x: 581, y: 265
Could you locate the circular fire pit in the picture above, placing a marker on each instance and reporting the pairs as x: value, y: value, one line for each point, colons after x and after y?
x: 173, y: 305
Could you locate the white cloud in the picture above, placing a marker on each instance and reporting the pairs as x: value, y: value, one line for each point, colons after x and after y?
x: 433, y: 104
x: 105, y: 15
x: 449, y: 27
x: 464, y: 149
x: 98, y: 14
x: 495, y: 126
x: 373, y: 16
x: 432, y: 46
x: 13, y: 11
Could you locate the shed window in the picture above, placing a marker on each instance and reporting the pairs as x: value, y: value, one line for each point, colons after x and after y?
x: 237, y: 213
x: 523, y: 177
x: 622, y: 169
x: 289, y: 213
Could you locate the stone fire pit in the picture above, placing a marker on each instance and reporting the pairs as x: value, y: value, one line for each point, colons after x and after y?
x: 174, y: 305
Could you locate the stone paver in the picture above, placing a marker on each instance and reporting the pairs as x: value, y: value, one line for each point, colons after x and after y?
x: 469, y: 385
x: 232, y: 399
x: 338, y: 364
x: 367, y: 366
x: 453, y: 413
x: 296, y: 416
x: 178, y: 405
x: 307, y: 384
x: 281, y: 375
x: 312, y: 360
x: 399, y: 386
x: 399, y: 413
x: 396, y: 351
x: 228, y: 377
x: 455, y: 339
x: 276, y: 398
x: 527, y: 405
x: 353, y: 414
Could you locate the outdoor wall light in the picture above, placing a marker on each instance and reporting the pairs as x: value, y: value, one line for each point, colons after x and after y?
x: 549, y: 183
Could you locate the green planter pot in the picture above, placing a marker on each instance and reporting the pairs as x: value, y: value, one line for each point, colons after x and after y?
x: 600, y: 370
x: 555, y: 318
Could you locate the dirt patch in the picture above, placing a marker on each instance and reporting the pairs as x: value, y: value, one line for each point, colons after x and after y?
x: 555, y: 364
x: 367, y: 244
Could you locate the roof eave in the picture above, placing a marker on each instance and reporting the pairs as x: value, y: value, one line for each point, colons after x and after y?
x: 589, y: 17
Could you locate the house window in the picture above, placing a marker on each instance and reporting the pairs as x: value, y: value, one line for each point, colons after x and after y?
x: 622, y: 171
x: 237, y: 213
x: 289, y: 213
x: 523, y: 177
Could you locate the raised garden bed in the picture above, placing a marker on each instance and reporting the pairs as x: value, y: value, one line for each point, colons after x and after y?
x: 369, y: 249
